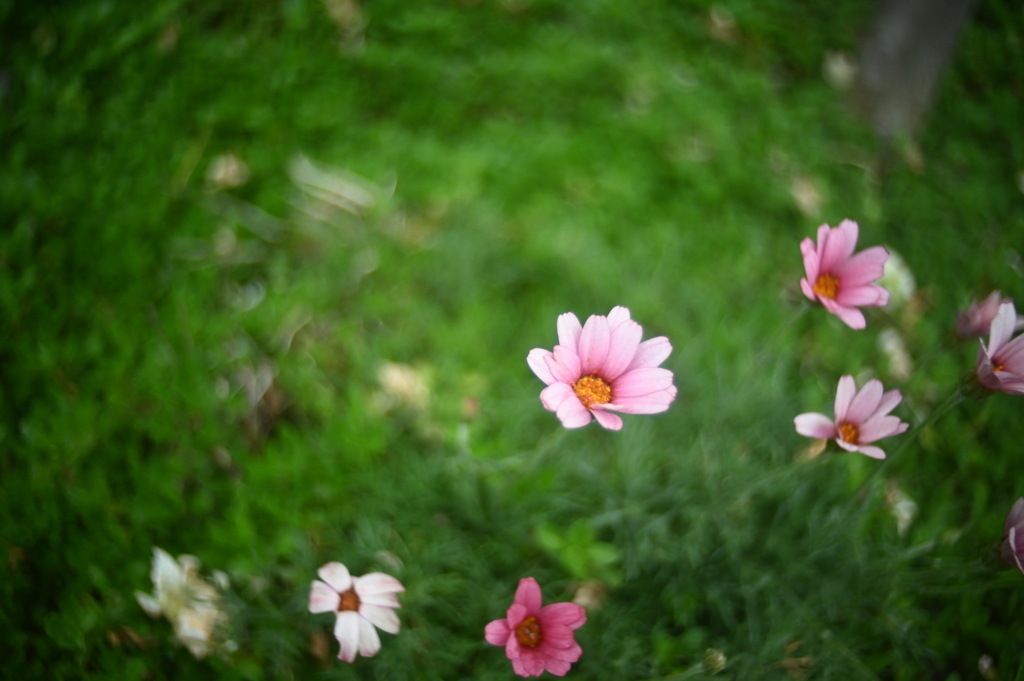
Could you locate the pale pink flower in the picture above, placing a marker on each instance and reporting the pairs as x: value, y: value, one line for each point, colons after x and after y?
x: 861, y: 418
x: 1001, y: 364
x: 977, y: 320
x: 840, y: 280
x: 538, y: 638
x: 1012, y: 549
x: 360, y: 603
x: 603, y: 367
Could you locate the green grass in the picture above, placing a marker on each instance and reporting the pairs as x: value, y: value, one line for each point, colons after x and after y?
x: 529, y: 158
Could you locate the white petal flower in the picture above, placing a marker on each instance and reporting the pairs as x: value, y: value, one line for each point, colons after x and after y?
x: 360, y: 603
x: 186, y: 599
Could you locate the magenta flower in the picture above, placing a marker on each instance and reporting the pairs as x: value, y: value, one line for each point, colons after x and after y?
x: 360, y: 603
x: 1001, y: 364
x: 861, y: 418
x: 536, y: 638
x: 603, y: 367
x: 1013, y: 536
x: 977, y: 320
x: 840, y: 280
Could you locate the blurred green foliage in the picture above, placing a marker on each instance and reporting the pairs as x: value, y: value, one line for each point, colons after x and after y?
x: 192, y: 360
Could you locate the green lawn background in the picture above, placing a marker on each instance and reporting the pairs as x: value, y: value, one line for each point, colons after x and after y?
x: 526, y: 159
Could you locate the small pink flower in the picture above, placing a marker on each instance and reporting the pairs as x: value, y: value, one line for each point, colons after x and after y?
x: 861, y: 417
x: 1013, y: 536
x: 360, y: 603
x: 603, y: 367
x: 840, y: 280
x: 977, y: 320
x: 536, y: 638
x: 1001, y: 364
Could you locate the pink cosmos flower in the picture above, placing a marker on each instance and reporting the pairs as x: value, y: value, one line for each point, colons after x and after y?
x: 840, y: 280
x: 1013, y: 536
x: 861, y: 418
x: 977, y: 320
x: 602, y: 367
x: 360, y: 603
x: 1001, y: 364
x: 537, y: 638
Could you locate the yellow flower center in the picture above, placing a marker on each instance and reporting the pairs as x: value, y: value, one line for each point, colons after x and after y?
x: 528, y: 632
x: 827, y: 286
x: 593, y: 390
x: 349, y: 601
x: 997, y: 367
x: 848, y: 433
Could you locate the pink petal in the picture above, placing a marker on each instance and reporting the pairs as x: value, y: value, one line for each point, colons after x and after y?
x: 1010, y: 384
x: 497, y: 632
x: 594, y: 344
x: 808, y: 290
x: 1012, y: 356
x: 1016, y: 516
x: 322, y: 598
x: 558, y: 667
x: 810, y: 255
x: 815, y: 425
x: 528, y: 595
x: 564, y: 365
x: 880, y: 428
x: 838, y: 246
x: 513, y: 650
x: 846, y: 445
x: 515, y: 614
x: 574, y: 616
x: 850, y: 316
x: 888, y: 403
x: 553, y: 396
x: 654, y: 403
x: 625, y: 340
x: 844, y: 395
x: 569, y: 330
x: 336, y: 575
x: 534, y: 663
x: 385, y: 619
x: 562, y: 646
x: 536, y: 361
x: 863, y: 268
x: 608, y: 420
x: 865, y: 295
x: 377, y: 583
x: 369, y: 641
x: 1002, y: 328
x: 873, y: 452
x: 572, y: 413
x: 1012, y: 539
x: 651, y: 353
x: 618, y: 315
x: 640, y: 382
x: 865, y: 402
x: 651, y: 403
x: 346, y: 630
x: 518, y: 666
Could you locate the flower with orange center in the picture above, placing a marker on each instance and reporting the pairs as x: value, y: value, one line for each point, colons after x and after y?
x: 602, y: 367
x: 861, y: 418
x: 1000, y: 365
x: 840, y: 280
x: 359, y: 604
x: 538, y: 639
